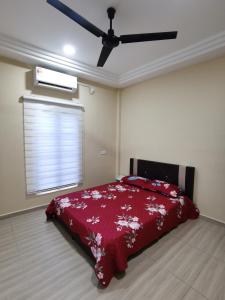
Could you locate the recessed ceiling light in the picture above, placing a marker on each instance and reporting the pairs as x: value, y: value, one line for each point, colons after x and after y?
x: 69, y: 50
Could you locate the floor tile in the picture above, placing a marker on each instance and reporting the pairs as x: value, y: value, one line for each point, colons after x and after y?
x: 211, y: 280
x: 161, y: 285
x: 193, y: 295
x: 39, y: 260
x: 186, y: 263
x: 219, y: 251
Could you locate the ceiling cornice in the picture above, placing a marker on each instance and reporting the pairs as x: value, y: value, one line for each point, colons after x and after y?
x: 30, y: 54
x: 175, y: 60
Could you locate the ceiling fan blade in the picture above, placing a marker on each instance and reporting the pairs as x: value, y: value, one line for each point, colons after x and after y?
x: 76, y: 17
x: 104, y: 55
x: 145, y: 37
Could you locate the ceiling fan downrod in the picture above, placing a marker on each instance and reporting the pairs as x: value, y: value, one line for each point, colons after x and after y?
x: 111, y: 14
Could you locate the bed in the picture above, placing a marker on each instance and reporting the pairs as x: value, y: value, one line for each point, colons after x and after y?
x: 118, y: 219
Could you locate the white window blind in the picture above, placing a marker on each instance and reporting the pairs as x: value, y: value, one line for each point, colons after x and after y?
x: 53, y: 134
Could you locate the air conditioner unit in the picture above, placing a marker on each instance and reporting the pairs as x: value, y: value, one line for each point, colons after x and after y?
x: 53, y: 79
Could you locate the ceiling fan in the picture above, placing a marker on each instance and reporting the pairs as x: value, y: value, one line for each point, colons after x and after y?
x: 109, y: 40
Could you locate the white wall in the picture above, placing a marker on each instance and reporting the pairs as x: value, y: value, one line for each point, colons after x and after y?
x: 100, y: 134
x: 180, y: 118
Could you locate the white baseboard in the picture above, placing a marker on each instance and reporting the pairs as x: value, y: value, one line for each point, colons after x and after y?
x: 23, y: 211
x: 212, y: 219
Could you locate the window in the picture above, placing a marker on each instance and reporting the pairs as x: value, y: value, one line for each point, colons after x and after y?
x: 53, y: 133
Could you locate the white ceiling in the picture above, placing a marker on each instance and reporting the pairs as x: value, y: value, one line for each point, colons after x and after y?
x: 36, y: 23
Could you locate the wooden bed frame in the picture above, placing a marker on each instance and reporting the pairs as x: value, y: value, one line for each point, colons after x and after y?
x: 183, y: 176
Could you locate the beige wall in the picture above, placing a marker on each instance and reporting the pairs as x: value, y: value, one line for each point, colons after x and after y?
x: 180, y: 118
x: 176, y: 118
x: 100, y: 134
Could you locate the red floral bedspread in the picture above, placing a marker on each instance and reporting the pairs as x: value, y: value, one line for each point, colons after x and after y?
x: 116, y: 220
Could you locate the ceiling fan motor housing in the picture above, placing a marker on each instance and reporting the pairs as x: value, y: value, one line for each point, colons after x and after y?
x: 110, y: 41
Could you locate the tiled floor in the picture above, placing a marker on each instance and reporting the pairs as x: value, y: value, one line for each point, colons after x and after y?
x: 39, y: 260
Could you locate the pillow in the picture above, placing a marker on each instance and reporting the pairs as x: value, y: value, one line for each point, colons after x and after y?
x: 134, y: 180
x: 163, y: 187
